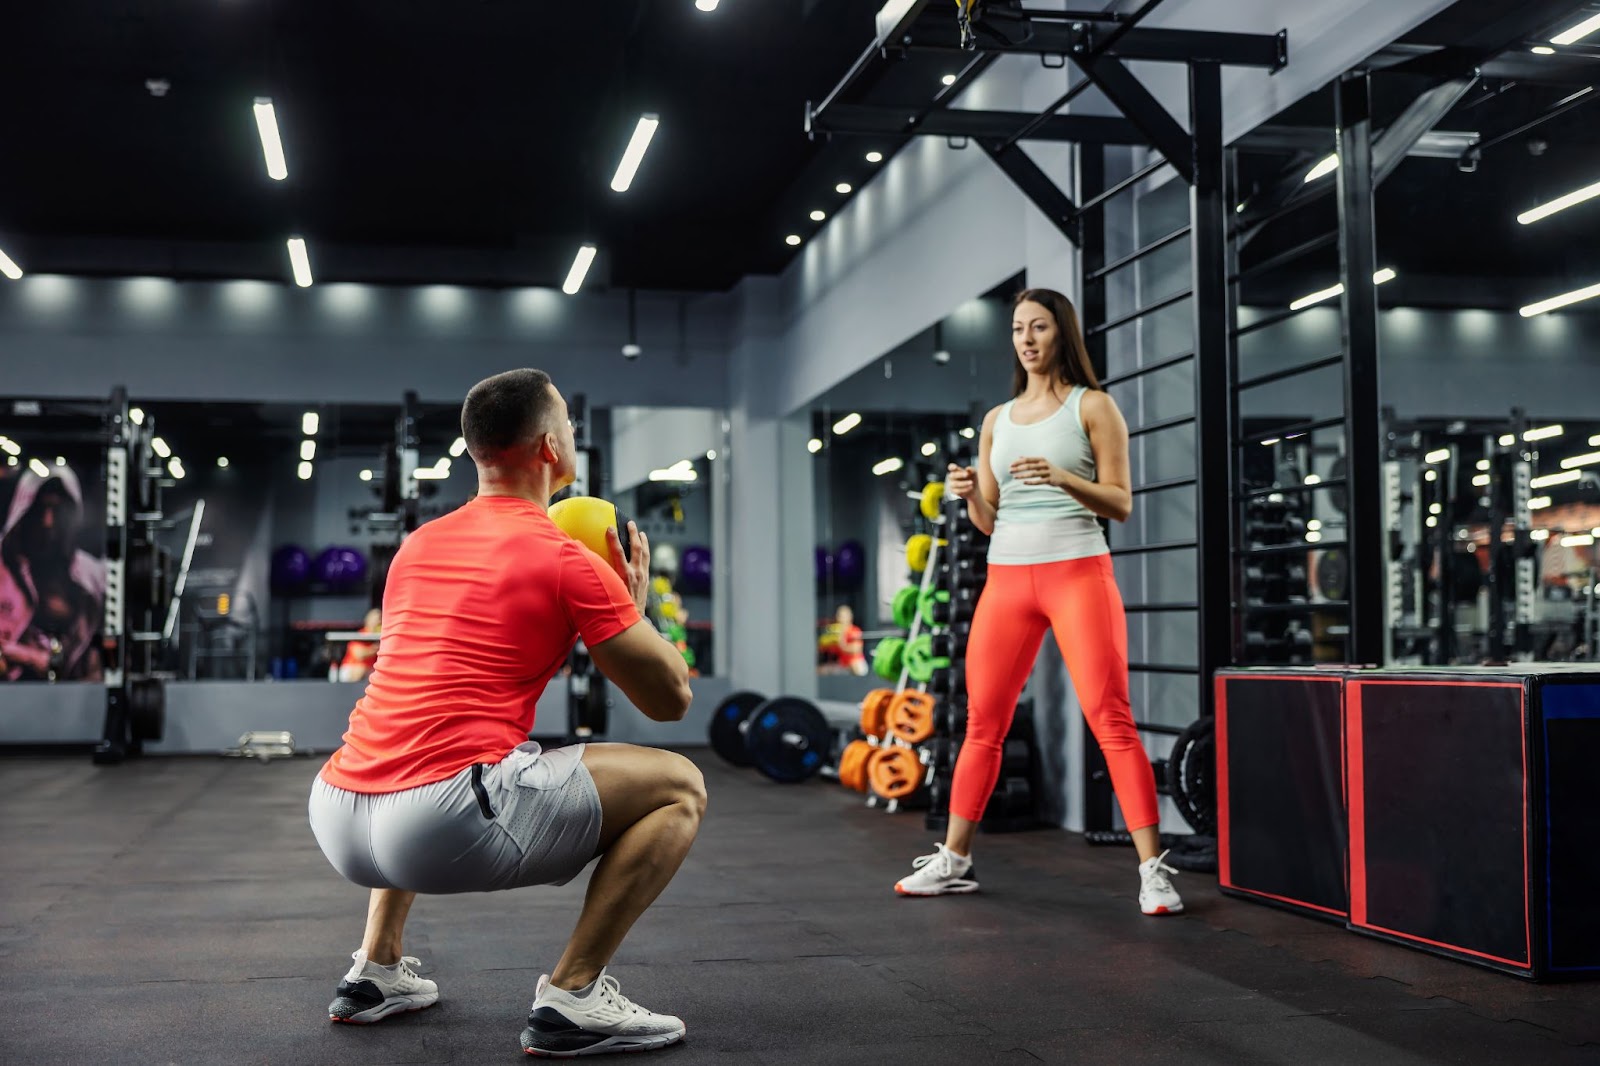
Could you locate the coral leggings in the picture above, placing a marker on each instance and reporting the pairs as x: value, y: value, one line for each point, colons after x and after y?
x: 1078, y: 599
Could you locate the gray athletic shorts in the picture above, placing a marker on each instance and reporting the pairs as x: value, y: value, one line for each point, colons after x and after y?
x: 531, y: 819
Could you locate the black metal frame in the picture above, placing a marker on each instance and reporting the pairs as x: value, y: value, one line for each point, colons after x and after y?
x: 1099, y: 44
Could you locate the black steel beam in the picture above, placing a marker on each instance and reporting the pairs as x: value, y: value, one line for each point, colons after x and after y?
x: 1051, y: 38
x: 1368, y: 637
x: 1038, y: 187
x: 1213, y: 394
x: 861, y: 119
x: 1143, y: 109
x: 1420, y: 116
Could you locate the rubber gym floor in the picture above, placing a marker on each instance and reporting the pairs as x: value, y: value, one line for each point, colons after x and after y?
x: 178, y: 911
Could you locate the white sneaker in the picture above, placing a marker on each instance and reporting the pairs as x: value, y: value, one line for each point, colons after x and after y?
x: 370, y: 993
x: 940, y: 874
x: 562, y: 1026
x: 1156, y: 894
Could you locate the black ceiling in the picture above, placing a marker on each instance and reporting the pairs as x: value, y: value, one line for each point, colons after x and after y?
x: 1451, y: 230
x: 475, y: 140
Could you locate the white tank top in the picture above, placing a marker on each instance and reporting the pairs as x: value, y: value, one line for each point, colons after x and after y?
x: 1039, y: 523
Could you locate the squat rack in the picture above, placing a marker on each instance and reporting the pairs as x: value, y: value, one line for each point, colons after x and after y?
x: 1098, y: 45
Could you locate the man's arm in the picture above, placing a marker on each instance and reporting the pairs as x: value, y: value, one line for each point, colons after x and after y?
x: 649, y: 671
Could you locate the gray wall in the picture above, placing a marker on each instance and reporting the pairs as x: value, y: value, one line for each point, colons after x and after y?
x: 338, y: 343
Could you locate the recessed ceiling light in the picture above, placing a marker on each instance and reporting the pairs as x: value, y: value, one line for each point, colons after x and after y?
x: 9, y: 268
x: 818, y: 216
x: 1543, y: 50
x: 948, y: 79
x: 706, y: 5
x: 1578, y: 32
x: 300, y: 262
x: 874, y: 157
x: 580, y: 270
x: 271, y: 143
x: 792, y: 240
x: 633, y: 155
x: 222, y: 462
x: 843, y: 188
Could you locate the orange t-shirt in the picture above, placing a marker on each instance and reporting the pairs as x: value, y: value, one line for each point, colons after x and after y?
x: 481, y: 609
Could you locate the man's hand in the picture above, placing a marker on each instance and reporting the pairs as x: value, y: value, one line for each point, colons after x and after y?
x: 635, y: 574
x: 1035, y: 471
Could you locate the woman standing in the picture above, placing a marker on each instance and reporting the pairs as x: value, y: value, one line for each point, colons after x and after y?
x: 1051, y: 460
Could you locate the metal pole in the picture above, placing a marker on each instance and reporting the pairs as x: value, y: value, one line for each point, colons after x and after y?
x: 1213, y: 396
x: 1363, y: 429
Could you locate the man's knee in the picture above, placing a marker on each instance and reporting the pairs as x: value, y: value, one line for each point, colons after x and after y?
x: 690, y: 786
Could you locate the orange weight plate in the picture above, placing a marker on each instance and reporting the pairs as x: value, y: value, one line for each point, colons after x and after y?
x: 911, y: 716
x: 853, y: 765
x: 875, y: 712
x: 895, y: 772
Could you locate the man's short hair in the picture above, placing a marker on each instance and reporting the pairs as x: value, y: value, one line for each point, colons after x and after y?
x: 506, y: 410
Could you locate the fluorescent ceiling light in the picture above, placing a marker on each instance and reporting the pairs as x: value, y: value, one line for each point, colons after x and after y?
x: 969, y: 433
x: 429, y: 473
x: 1432, y: 522
x: 1378, y: 278
x: 1589, y: 292
x: 308, y: 450
x: 1325, y: 167
x: 887, y: 466
x: 61, y: 460
x: 1560, y: 203
x: 309, y: 422
x: 458, y: 446
x: 1548, y: 480
x: 1480, y: 480
x: 271, y: 144
x: 1588, y: 459
x: 160, y: 447
x: 706, y: 5
x: 843, y: 188
x: 1483, y: 464
x: 633, y: 155
x: 1544, y: 432
x: 1438, y: 455
x: 1538, y: 503
x: 1578, y: 32
x: 580, y: 269
x: 847, y: 423
x: 929, y: 448
x: 9, y: 268
x: 10, y: 447
x: 682, y: 470
x: 1313, y: 479
x: 1542, y: 50
x: 818, y: 216
x: 1313, y: 536
x: 366, y: 475
x: 792, y: 240
x: 1507, y: 440
x: 175, y: 468
x: 443, y: 463
x: 813, y: 445
x: 300, y: 262
x: 948, y: 79
x: 304, y: 471
x: 38, y: 468
x: 136, y: 416
x: 1539, y: 534
x: 1270, y: 441
x: 874, y: 157
x: 1435, y: 508
x: 1578, y: 540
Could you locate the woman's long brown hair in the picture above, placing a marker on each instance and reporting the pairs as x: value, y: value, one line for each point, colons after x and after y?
x: 1070, y: 360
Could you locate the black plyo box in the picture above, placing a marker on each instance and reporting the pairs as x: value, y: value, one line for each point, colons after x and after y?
x: 1473, y: 830
x: 1281, y: 829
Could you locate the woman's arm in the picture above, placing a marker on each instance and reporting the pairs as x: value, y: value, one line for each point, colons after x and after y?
x: 983, y: 504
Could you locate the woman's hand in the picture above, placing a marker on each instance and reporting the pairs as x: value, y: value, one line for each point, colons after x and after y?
x: 961, y: 481
x: 1032, y: 470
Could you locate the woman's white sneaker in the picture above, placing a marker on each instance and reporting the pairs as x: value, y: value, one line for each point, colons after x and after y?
x: 1156, y: 894
x: 940, y: 874
x: 562, y: 1025
x: 370, y: 993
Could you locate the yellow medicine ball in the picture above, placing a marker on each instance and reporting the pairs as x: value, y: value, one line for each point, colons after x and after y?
x: 586, y: 518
